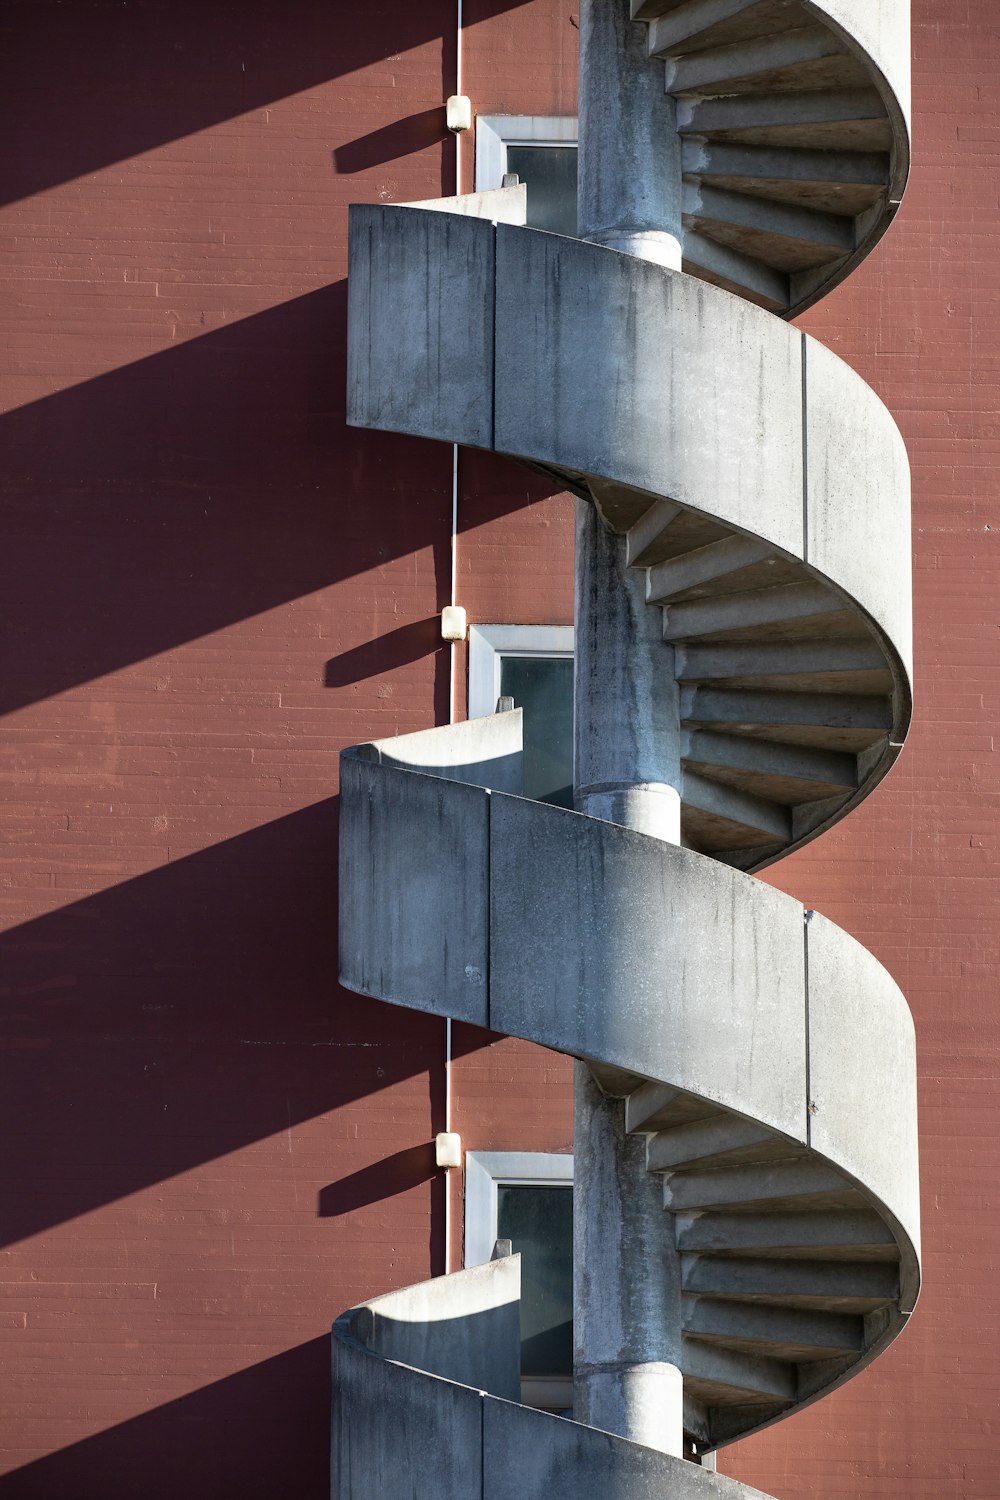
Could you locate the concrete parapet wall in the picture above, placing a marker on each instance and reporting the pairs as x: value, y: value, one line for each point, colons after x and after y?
x: 610, y: 945
x: 768, y: 432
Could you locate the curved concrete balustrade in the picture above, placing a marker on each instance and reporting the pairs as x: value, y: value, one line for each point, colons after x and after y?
x: 602, y: 366
x: 738, y: 477
x: 453, y: 1438
x: 634, y: 385
x: 725, y: 988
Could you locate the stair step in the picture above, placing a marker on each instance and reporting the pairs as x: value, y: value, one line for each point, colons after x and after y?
x: 686, y: 26
x: 644, y: 540
x: 736, y: 272
x: 755, y: 710
x: 843, y: 118
x: 811, y: 1235
x: 719, y: 800
x: 657, y: 1106
x: 726, y: 1376
x: 706, y: 569
x: 756, y: 225
x: 777, y: 1184
x: 802, y: 660
x: 836, y: 1285
x: 810, y: 56
x: 789, y: 775
x: 785, y: 164
x: 786, y: 606
x: 770, y: 758
x: 786, y: 1333
x: 718, y: 1140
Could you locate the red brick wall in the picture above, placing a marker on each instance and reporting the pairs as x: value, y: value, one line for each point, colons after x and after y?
x: 210, y: 585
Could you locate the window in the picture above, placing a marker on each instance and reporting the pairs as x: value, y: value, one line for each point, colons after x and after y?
x: 527, y: 1197
x: 541, y: 150
x: 533, y: 664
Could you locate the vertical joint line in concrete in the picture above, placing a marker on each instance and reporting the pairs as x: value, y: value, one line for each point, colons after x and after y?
x: 805, y: 451
x: 489, y: 909
x: 493, y: 362
x: 807, y: 917
x: 482, y: 1445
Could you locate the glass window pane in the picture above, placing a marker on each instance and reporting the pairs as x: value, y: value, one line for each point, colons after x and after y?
x: 539, y: 1223
x: 543, y: 687
x: 550, y: 172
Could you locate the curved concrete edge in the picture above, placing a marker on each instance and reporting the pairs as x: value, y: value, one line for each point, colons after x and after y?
x: 420, y: 323
x: 878, y: 33
x: 596, y: 355
x: 414, y: 863
x: 503, y: 205
x: 827, y: 1376
x: 863, y: 1073
x: 599, y: 355
x: 857, y: 487
x: 453, y: 899
x: 464, y: 1328
x: 670, y: 966
x: 459, y: 1441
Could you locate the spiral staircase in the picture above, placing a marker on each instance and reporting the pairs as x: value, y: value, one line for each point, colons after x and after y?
x: 743, y: 650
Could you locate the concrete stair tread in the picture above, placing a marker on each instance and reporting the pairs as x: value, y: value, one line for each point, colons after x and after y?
x: 788, y: 148
x: 856, y: 1235
x: 801, y: 58
x: 816, y: 120
x: 834, y: 1286
x: 696, y: 25
x: 796, y: 1335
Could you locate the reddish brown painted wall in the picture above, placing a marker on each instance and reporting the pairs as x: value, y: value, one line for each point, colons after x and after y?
x: 210, y: 585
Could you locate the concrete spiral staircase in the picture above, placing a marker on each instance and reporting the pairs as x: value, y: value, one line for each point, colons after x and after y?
x: 751, y: 497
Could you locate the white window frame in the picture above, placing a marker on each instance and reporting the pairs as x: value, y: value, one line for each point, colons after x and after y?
x: 488, y: 643
x: 485, y: 1172
x: 494, y: 133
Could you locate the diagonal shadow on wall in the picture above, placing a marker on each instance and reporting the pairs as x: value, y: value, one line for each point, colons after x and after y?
x: 195, y: 488
x: 184, y: 1014
x: 259, y: 1434
x: 88, y: 84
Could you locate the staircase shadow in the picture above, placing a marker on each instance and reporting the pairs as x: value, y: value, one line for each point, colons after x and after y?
x: 119, y: 82
x: 183, y: 1014
x: 263, y: 1432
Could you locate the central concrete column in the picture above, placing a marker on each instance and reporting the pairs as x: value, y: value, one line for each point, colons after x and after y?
x: 626, y: 1279
x: 629, y: 195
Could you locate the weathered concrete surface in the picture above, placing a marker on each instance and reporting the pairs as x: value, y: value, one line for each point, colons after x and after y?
x: 627, y: 719
x: 598, y: 356
x: 464, y: 1327
x: 862, y: 1073
x: 420, y: 323
x: 479, y: 752
x: 414, y: 863
x: 878, y: 30
x: 414, y: 884
x: 617, y: 947
x: 629, y: 177
x: 529, y: 1455
x: 858, y: 494
x: 626, y: 1282
x: 503, y: 205
x: 409, y: 1372
x: 393, y: 1426
x: 614, y: 367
